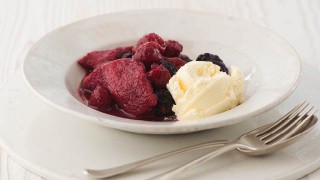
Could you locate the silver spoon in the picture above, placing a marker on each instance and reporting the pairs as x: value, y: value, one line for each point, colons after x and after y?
x: 261, y: 141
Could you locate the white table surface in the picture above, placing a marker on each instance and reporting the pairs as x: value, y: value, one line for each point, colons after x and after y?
x: 23, y: 22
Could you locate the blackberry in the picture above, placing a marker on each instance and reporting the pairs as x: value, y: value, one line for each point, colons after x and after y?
x: 185, y: 57
x: 164, y: 104
x: 214, y: 59
x: 208, y: 57
x: 127, y: 55
x: 170, y: 67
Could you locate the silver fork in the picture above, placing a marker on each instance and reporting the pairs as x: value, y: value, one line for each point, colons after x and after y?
x: 105, y: 173
x: 263, y: 140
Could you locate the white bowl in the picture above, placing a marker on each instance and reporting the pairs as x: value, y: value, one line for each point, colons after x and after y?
x: 271, y: 66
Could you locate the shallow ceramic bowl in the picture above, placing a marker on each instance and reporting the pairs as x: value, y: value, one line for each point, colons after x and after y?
x: 271, y: 66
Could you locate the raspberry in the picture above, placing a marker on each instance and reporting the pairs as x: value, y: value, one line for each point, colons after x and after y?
x: 148, y: 53
x: 177, y: 62
x: 170, y: 67
x: 164, y: 104
x: 151, y: 37
x: 100, y: 99
x: 214, y: 59
x: 172, y: 48
x: 185, y: 57
x: 95, y: 58
x: 159, y: 76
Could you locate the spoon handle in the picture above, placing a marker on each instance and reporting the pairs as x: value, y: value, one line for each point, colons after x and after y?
x: 104, y: 173
x: 198, y: 161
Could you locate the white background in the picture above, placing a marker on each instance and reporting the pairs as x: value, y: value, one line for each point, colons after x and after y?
x: 23, y: 22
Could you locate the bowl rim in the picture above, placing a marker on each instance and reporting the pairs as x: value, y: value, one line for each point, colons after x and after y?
x: 140, y: 126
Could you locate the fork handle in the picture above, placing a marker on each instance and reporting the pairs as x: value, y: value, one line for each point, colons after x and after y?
x: 198, y: 161
x: 104, y: 173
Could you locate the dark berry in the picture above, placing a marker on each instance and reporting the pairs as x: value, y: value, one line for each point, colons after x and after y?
x: 148, y: 53
x: 151, y: 37
x: 127, y: 55
x: 214, y: 59
x: 164, y: 104
x: 170, y: 67
x: 172, y: 48
x: 159, y: 76
x: 177, y: 62
x: 185, y: 57
x: 208, y: 57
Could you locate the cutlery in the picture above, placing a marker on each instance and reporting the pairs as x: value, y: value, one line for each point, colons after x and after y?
x: 109, y: 172
x: 105, y: 173
x: 263, y: 140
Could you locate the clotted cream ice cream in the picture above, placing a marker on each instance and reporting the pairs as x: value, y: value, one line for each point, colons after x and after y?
x: 200, y: 89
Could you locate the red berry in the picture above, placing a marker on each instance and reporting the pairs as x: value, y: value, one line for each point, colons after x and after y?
x: 148, y: 53
x: 159, y: 76
x: 95, y: 58
x: 172, y: 48
x: 100, y: 99
x: 151, y: 37
x: 91, y: 80
x: 177, y: 62
x: 129, y: 86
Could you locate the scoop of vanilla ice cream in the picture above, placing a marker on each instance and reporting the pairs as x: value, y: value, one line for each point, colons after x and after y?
x: 200, y: 90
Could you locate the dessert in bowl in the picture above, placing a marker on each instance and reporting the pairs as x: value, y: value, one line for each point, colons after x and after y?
x: 52, y: 71
x: 154, y: 81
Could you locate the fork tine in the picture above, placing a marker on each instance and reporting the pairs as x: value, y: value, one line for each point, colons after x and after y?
x: 292, y: 128
x: 289, y: 124
x: 286, y: 122
x: 297, y: 128
x: 283, y: 118
x: 300, y: 110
